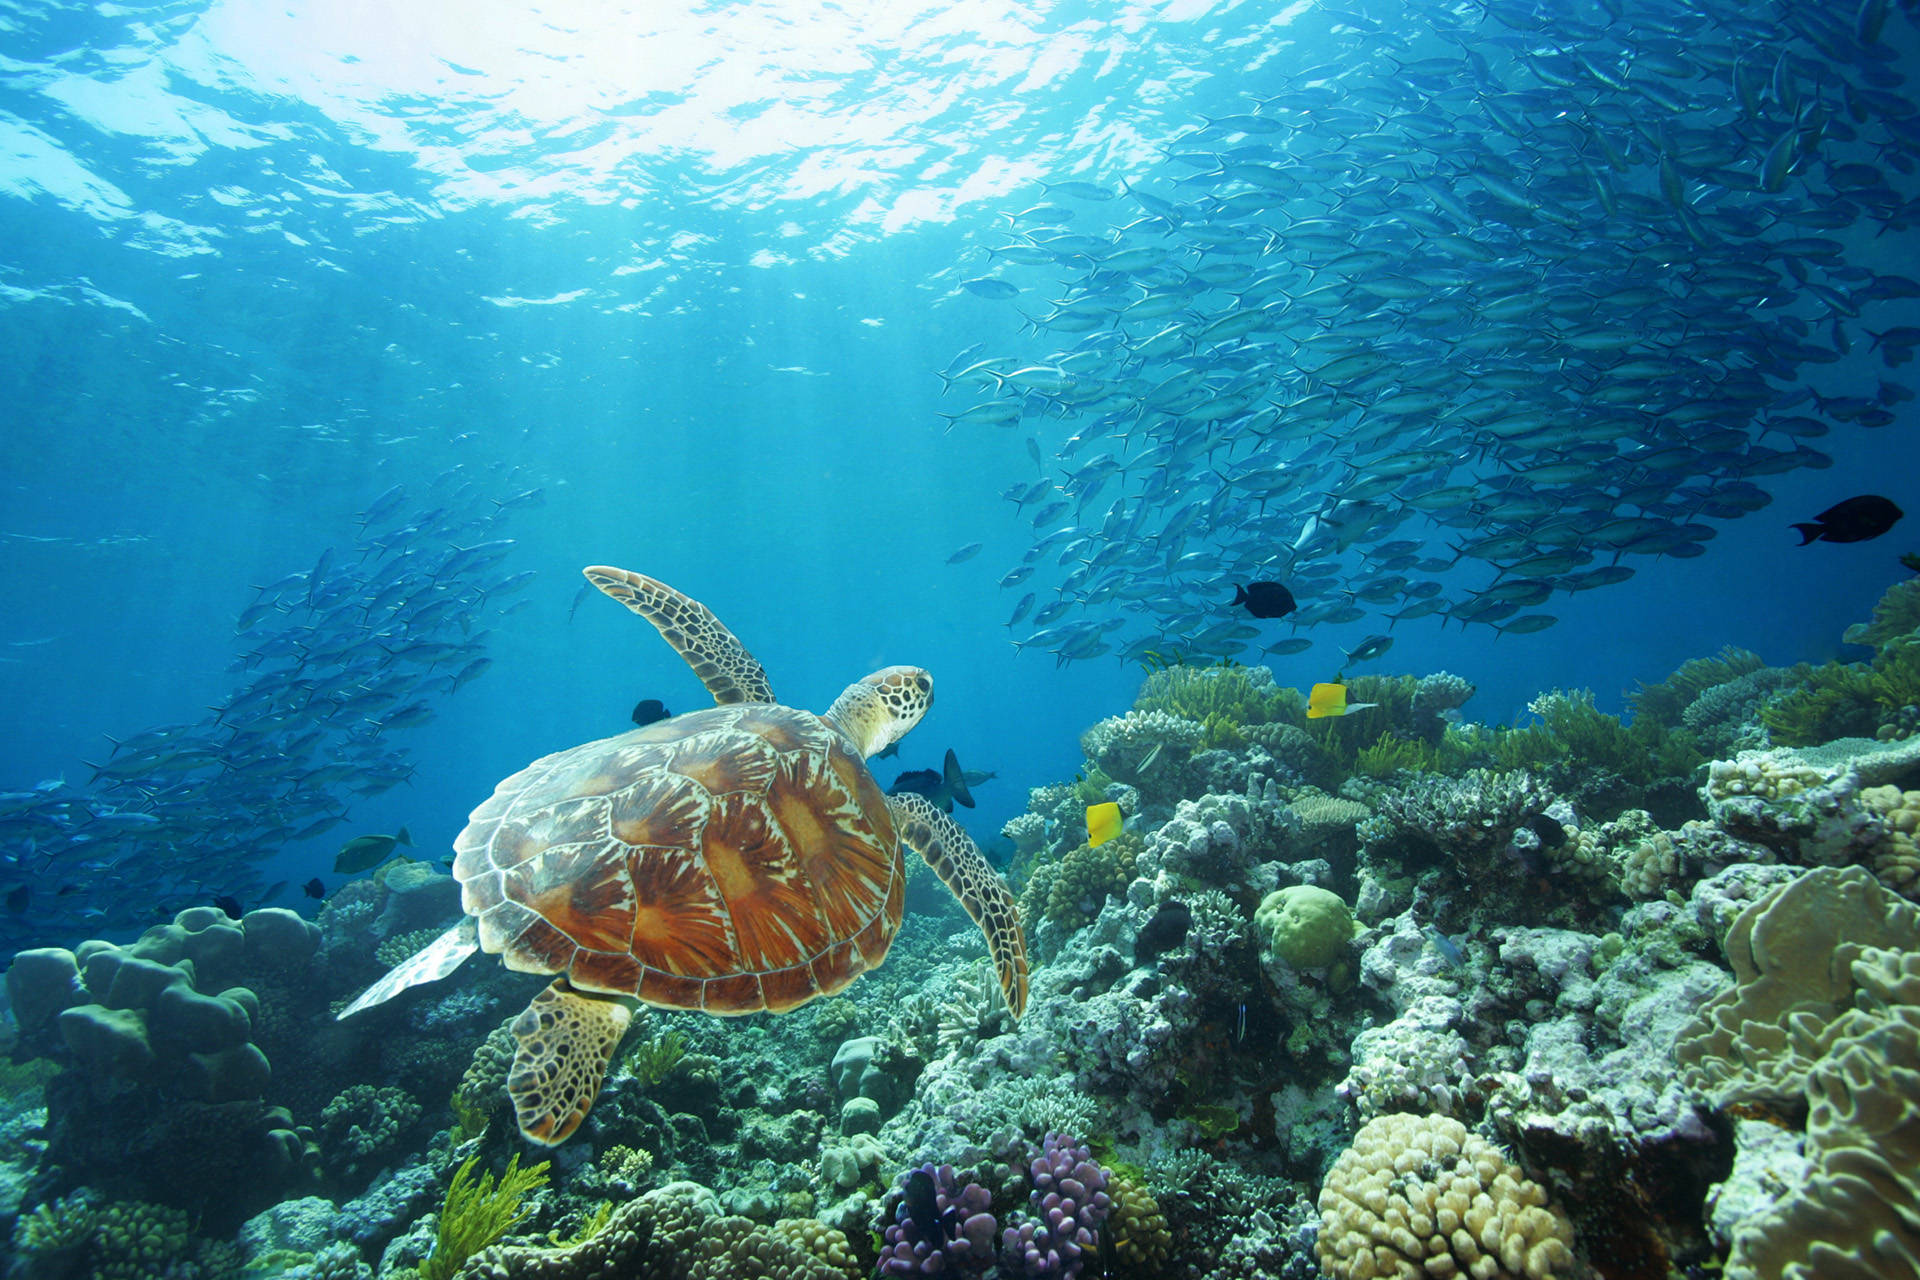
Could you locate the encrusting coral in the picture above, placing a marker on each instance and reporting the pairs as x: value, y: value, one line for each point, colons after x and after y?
x: 1826, y: 1009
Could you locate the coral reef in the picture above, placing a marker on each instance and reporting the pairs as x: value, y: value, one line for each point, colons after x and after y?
x: 1825, y: 1011
x: 1420, y: 1196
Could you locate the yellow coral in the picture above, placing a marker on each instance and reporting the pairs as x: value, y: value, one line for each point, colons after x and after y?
x: 1072, y: 891
x: 829, y: 1244
x: 1138, y: 1229
x: 1420, y: 1196
x: 1896, y: 863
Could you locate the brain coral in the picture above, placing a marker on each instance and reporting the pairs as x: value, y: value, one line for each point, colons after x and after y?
x: 1419, y: 1196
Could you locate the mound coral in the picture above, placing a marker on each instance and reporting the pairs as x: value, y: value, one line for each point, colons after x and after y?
x: 165, y: 1010
x: 1421, y: 1196
x: 1138, y: 1229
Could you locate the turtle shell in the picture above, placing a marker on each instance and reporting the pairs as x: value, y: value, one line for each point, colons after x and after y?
x: 735, y: 859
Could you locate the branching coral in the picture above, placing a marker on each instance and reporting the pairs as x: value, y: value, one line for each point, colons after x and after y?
x: 1895, y: 617
x: 1667, y: 701
x: 652, y: 1059
x: 1223, y: 700
x: 1070, y: 892
x: 1571, y: 729
x: 1473, y: 814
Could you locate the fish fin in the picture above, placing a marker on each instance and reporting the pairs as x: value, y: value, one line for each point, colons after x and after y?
x: 405, y: 837
x: 565, y: 1041
x: 954, y: 857
x: 1809, y: 532
x: 1239, y: 594
x: 956, y: 781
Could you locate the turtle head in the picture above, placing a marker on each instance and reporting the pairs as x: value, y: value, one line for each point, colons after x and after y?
x: 878, y: 710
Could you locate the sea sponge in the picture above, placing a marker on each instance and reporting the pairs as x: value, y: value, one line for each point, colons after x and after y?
x: 1304, y: 926
x: 1420, y: 1196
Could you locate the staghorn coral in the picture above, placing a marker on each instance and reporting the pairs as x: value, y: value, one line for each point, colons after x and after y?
x: 975, y: 1012
x: 1421, y: 1196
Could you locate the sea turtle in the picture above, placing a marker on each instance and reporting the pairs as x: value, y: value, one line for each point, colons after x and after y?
x: 736, y: 859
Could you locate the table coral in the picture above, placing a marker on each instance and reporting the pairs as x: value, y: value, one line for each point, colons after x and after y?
x: 1421, y: 1196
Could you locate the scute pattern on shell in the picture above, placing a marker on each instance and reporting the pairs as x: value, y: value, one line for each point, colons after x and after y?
x: 733, y: 859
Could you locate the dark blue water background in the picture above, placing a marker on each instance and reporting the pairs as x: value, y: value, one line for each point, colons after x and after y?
x: 692, y: 275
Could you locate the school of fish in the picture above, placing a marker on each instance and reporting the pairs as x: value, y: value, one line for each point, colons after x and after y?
x: 336, y: 659
x: 1490, y: 309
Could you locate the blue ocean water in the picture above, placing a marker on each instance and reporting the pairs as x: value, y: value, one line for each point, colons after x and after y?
x: 689, y: 272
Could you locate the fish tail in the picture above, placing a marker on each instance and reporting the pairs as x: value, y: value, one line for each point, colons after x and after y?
x: 405, y: 837
x: 1809, y: 532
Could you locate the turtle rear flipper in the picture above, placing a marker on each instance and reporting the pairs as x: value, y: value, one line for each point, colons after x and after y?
x: 716, y: 655
x: 565, y: 1042
x: 961, y: 866
x: 429, y: 964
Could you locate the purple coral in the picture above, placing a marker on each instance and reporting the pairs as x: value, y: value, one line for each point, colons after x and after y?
x: 1068, y: 1204
x: 960, y: 1218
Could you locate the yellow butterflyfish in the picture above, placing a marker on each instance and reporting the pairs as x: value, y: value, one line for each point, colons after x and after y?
x: 1331, y: 700
x: 1103, y: 823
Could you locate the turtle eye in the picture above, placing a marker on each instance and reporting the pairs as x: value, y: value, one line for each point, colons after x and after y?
x: 923, y: 684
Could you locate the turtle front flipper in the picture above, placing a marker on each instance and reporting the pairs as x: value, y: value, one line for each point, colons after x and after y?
x: 716, y: 655
x: 565, y: 1042
x: 963, y: 868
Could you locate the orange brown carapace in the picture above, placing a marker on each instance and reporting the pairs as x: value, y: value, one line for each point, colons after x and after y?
x: 747, y: 862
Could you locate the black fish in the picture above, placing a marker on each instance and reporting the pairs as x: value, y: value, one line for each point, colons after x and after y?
x: 1165, y: 931
x: 945, y: 788
x: 648, y: 711
x: 1855, y: 520
x: 1552, y: 834
x: 922, y: 1207
x: 17, y: 898
x: 314, y: 888
x: 1265, y: 599
x: 229, y: 904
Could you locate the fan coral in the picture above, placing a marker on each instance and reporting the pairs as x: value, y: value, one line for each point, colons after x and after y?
x: 959, y: 1216
x: 1420, y: 1196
